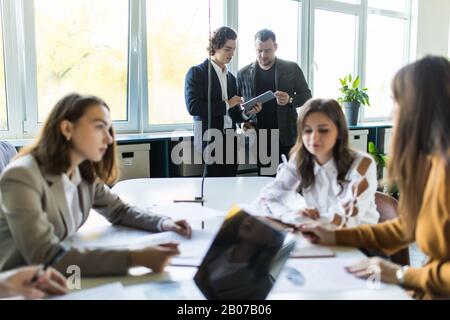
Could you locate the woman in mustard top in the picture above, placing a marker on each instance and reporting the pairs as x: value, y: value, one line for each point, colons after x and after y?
x: 420, y: 166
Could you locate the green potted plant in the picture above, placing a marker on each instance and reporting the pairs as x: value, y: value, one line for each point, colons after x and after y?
x: 381, y: 161
x: 352, y: 97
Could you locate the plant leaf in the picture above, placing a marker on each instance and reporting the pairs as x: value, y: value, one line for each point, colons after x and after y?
x: 356, y: 82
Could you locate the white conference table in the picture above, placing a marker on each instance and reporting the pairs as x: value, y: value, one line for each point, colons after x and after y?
x: 221, y: 194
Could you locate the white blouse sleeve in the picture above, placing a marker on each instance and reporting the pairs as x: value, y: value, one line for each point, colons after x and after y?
x: 280, y: 196
x: 357, y: 205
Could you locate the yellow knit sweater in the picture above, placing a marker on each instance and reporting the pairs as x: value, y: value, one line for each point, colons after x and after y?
x: 432, y: 235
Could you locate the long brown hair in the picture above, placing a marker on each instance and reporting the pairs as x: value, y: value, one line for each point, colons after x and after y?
x: 422, y: 128
x: 52, y: 151
x: 343, y: 156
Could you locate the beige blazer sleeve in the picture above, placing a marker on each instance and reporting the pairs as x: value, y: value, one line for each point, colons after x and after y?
x: 118, y: 212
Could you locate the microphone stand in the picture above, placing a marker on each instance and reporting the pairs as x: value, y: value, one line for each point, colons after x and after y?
x: 200, y: 199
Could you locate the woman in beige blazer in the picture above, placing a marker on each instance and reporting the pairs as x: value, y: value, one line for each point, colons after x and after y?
x: 47, y: 192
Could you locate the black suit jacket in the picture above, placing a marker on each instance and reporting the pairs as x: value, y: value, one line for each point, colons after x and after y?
x: 196, y: 97
x: 288, y: 78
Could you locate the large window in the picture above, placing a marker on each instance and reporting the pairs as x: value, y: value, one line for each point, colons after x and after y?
x: 334, y: 50
x: 281, y: 18
x: 385, y: 54
x: 368, y: 38
x: 177, y: 38
x: 3, y: 109
x: 393, y: 5
x: 135, y: 53
x: 82, y: 45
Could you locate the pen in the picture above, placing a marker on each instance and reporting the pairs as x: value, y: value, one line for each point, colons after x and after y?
x: 52, y: 261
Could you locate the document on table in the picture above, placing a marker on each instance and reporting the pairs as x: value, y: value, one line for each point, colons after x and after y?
x: 112, y: 291
x: 191, y: 250
x: 305, y: 249
x: 326, y: 274
x: 166, y: 290
x: 187, y: 211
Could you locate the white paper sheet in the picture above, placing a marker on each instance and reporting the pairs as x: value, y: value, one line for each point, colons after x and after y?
x: 327, y: 274
x: 305, y: 249
x: 169, y: 290
x: 191, y: 250
x: 112, y: 291
x: 187, y: 211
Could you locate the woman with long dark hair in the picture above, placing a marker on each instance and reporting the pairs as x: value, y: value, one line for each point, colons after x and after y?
x: 324, y: 179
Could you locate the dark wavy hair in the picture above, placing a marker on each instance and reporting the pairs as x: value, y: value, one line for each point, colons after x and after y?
x: 343, y: 155
x: 219, y: 38
x: 52, y: 151
x: 422, y: 129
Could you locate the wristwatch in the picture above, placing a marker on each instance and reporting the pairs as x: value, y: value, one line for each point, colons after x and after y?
x: 400, y: 274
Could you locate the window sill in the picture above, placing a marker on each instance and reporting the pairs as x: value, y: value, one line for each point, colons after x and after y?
x: 123, y: 138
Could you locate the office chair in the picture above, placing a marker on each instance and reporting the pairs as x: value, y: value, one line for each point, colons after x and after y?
x: 7, y: 152
x: 387, y: 207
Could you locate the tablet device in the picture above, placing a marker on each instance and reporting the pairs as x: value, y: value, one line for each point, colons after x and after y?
x: 266, y: 96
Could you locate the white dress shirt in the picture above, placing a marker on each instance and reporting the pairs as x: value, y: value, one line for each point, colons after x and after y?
x: 222, y: 74
x: 72, y: 198
x: 281, y: 199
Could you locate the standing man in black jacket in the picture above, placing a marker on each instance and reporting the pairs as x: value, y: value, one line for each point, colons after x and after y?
x: 225, y: 103
x: 286, y: 80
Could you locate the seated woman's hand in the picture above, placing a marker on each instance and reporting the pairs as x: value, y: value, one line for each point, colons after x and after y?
x: 318, y: 233
x: 378, y: 267
x: 181, y: 227
x: 154, y: 257
x: 19, y: 282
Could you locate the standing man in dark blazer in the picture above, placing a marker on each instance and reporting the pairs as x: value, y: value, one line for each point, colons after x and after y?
x: 286, y: 80
x: 226, y: 111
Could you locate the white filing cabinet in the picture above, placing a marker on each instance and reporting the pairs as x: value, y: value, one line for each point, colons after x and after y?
x: 387, y: 140
x: 358, y: 139
x: 134, y: 160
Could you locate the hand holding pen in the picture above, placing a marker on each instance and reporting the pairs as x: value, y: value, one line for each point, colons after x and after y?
x: 59, y: 254
x: 19, y: 282
x: 48, y: 279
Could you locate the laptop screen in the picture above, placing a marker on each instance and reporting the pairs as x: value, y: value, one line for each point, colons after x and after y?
x: 245, y: 258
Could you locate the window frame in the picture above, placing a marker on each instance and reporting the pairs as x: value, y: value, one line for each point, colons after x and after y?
x: 20, y: 59
x: 31, y: 123
x: 14, y: 66
x: 362, y: 12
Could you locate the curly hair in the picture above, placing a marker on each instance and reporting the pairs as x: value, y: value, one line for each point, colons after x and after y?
x: 219, y: 38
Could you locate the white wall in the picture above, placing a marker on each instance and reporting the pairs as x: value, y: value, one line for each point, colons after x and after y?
x: 433, y: 20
